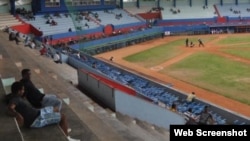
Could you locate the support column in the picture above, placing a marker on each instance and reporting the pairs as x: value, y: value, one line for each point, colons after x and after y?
x: 12, y: 7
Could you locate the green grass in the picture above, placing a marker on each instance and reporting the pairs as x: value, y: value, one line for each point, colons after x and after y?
x: 157, y: 55
x: 241, y: 50
x: 234, y: 40
x: 160, y: 54
x: 214, y: 73
x: 238, y: 52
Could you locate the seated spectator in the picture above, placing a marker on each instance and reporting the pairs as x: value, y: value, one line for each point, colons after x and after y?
x: 6, y: 29
x: 71, y: 41
x: 191, y: 97
x: 26, y: 40
x: 57, y: 58
x: 31, y: 117
x: 70, y: 30
x: 49, y: 21
x: 32, y: 44
x: 191, y: 118
x: 86, y: 25
x: 34, y: 95
x: 206, y: 118
x: 30, y: 16
x: 43, y: 51
x: 173, y: 107
x: 78, y: 55
x: 53, y: 23
x: 12, y: 36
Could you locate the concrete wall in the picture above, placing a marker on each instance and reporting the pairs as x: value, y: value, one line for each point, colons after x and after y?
x: 97, y: 88
x: 146, y: 111
x: 124, y: 100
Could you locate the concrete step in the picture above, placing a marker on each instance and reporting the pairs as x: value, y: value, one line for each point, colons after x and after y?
x: 109, y: 117
x: 57, y: 85
x: 150, y: 131
x: 53, y: 77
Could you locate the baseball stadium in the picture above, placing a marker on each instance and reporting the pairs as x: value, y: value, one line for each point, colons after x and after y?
x: 125, y: 69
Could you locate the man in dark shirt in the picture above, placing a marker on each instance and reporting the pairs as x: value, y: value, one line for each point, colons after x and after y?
x: 206, y: 118
x: 31, y: 117
x: 34, y: 96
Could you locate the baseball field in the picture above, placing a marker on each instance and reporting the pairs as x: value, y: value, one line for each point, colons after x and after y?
x: 219, y: 72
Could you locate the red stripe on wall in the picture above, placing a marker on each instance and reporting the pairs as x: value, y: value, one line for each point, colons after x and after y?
x: 113, y: 84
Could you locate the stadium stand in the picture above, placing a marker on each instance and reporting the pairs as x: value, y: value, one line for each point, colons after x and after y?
x: 175, y: 19
x: 92, y: 116
x: 154, y: 91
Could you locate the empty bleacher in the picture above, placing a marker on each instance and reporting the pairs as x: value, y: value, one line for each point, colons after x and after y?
x: 145, y: 6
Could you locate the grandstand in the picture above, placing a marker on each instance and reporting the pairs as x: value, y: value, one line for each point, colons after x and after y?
x: 105, y: 26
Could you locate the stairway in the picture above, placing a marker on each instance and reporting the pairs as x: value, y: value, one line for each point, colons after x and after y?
x: 7, y: 19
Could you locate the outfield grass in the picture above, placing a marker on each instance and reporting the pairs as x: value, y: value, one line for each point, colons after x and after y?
x: 234, y: 39
x: 238, y: 52
x: 237, y: 46
x: 214, y: 73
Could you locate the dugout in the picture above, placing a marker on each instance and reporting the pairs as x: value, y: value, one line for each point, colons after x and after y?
x: 239, y: 27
